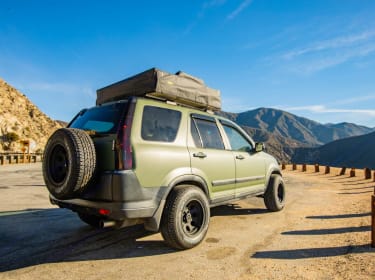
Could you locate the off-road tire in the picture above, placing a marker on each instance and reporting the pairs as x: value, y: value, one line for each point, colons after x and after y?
x: 69, y: 162
x: 185, y: 217
x: 274, y: 198
x: 91, y: 220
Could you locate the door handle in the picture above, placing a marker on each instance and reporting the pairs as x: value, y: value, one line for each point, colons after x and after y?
x: 241, y: 157
x: 200, y: 155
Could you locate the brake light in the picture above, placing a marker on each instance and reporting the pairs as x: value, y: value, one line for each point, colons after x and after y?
x: 104, y: 212
x: 127, y: 153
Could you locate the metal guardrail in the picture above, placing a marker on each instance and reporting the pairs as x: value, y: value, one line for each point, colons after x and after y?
x: 15, y: 158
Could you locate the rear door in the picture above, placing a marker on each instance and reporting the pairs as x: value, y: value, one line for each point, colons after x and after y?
x: 250, y: 165
x: 209, y: 159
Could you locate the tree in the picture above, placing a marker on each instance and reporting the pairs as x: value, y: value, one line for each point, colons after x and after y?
x: 11, y: 137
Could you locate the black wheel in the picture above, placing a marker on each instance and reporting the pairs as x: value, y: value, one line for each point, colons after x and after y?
x: 69, y: 162
x: 91, y: 220
x: 274, y: 198
x: 185, y: 217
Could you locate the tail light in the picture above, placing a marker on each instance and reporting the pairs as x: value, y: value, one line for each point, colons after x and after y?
x: 125, y: 144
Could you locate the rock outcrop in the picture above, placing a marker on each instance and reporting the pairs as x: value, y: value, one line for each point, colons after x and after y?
x: 21, y: 122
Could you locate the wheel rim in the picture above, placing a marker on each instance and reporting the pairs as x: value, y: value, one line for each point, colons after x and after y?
x: 58, y: 164
x: 280, y: 193
x: 192, y: 217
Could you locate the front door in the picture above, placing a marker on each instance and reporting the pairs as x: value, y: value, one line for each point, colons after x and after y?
x: 250, y: 165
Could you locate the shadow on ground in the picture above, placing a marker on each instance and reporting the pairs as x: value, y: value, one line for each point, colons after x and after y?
x: 38, y: 236
x: 312, y: 252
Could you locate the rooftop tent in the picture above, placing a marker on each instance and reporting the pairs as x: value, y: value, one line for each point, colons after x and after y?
x: 181, y: 88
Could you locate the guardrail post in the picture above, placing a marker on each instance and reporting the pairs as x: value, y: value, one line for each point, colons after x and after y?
x: 328, y: 170
x: 304, y: 168
x: 352, y: 172
x: 367, y: 173
x: 374, y: 177
x: 294, y: 167
x: 373, y: 220
x: 2, y: 161
x: 317, y: 168
x: 343, y: 170
x: 283, y: 166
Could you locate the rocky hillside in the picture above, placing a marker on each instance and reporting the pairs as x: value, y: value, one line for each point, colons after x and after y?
x: 21, y: 120
x: 355, y: 152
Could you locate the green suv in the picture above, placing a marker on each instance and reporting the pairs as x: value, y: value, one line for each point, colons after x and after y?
x: 141, y: 160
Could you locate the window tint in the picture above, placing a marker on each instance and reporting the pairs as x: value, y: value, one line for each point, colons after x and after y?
x: 101, y: 119
x: 209, y: 134
x: 237, y: 141
x: 159, y: 124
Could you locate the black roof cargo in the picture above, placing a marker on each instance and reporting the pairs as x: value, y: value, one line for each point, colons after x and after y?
x: 180, y: 88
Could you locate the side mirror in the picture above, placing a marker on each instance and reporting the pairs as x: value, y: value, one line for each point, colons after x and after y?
x: 259, y: 147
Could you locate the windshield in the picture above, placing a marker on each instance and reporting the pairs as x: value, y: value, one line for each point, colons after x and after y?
x: 101, y: 119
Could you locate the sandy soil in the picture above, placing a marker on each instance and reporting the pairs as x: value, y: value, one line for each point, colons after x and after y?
x: 323, y: 233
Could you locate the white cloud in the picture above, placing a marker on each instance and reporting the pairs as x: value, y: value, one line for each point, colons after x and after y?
x: 201, y: 14
x: 355, y: 100
x: 334, y: 43
x: 239, y: 9
x: 324, y: 54
x: 322, y: 109
x: 329, y: 60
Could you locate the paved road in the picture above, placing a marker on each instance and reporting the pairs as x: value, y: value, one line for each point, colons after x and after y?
x: 324, y: 227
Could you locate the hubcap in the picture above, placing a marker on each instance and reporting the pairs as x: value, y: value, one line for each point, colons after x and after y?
x: 58, y: 164
x: 192, y: 217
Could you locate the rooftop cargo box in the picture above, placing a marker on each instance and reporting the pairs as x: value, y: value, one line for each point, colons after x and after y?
x: 180, y: 88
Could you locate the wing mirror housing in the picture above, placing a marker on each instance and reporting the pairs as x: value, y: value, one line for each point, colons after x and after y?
x: 259, y: 147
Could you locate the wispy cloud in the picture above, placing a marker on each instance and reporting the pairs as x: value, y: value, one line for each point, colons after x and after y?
x: 355, y: 100
x: 324, y: 54
x: 322, y: 109
x: 334, y: 43
x: 207, y: 5
x: 244, y: 4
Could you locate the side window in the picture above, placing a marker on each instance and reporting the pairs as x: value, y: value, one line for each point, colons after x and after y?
x: 206, y: 134
x: 237, y: 141
x: 159, y: 124
x: 195, y: 134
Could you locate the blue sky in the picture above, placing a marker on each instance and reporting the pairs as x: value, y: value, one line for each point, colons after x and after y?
x: 312, y: 58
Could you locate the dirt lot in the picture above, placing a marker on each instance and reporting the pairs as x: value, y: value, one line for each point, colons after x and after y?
x: 324, y: 233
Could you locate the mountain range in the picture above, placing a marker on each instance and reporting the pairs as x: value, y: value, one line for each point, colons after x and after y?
x: 301, y: 130
x: 286, y: 134
x: 355, y: 151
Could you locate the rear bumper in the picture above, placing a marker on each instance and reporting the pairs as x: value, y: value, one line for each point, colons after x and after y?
x: 120, y: 193
x: 117, y: 210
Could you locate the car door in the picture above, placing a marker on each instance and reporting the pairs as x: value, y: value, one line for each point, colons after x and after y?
x: 209, y: 159
x: 249, y: 165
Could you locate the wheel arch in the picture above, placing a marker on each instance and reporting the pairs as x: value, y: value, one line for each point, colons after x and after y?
x: 153, y: 223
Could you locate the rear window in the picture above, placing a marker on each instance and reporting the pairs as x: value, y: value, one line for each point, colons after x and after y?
x: 159, y: 124
x: 101, y: 119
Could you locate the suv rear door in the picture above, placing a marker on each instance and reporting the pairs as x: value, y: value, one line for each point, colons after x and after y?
x: 209, y: 159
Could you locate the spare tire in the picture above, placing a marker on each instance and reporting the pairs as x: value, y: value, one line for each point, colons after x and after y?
x: 69, y: 162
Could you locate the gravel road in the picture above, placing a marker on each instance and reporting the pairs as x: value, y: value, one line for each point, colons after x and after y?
x: 323, y: 233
